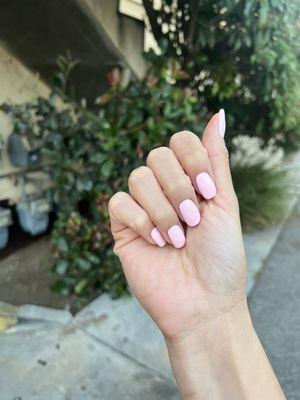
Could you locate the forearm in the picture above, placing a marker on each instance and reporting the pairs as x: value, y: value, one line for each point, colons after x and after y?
x: 224, y: 359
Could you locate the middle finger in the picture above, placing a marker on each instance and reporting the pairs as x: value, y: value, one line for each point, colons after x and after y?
x: 175, y: 183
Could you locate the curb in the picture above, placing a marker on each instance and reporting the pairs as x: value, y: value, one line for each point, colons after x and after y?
x: 29, y: 316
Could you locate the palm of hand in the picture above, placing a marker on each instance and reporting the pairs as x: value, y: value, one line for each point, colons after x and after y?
x: 183, y: 288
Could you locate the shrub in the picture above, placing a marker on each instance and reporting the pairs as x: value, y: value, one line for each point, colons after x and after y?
x: 243, y: 54
x: 262, y: 181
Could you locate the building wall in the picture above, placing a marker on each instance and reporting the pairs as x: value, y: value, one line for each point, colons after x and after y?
x: 126, y: 33
x: 17, y: 85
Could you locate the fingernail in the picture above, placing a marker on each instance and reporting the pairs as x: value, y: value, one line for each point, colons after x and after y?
x: 176, y: 236
x: 157, y: 237
x: 206, y: 186
x: 222, y: 123
x: 190, y: 212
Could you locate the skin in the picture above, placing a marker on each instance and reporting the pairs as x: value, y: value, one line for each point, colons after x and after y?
x: 196, y: 293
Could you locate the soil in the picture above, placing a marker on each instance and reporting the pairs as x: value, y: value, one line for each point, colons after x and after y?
x: 24, y: 273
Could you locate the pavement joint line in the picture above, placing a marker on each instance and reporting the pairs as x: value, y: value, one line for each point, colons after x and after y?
x: 104, y: 343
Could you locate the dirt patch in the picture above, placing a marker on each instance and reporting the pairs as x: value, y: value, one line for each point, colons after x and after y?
x: 25, y: 278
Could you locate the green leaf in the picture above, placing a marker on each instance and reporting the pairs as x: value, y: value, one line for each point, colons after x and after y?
x: 62, y: 244
x: 107, y: 168
x: 99, y: 158
x: 80, y: 286
x: 83, y: 264
x: 61, y: 267
x: 84, y: 184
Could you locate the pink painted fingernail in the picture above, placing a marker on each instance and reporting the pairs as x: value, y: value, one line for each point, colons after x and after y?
x: 222, y: 123
x: 206, y: 185
x: 176, y: 236
x: 190, y: 212
x: 157, y: 237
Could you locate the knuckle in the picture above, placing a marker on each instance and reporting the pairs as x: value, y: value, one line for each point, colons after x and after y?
x: 140, y: 222
x: 196, y: 158
x: 223, y: 153
x: 180, y: 137
x: 163, y: 218
x: 157, y: 154
x: 182, y: 185
x: 115, y: 201
x: 138, y: 174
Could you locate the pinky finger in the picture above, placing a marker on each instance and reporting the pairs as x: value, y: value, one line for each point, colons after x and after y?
x: 124, y: 213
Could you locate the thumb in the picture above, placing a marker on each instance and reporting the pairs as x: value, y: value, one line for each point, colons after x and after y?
x: 213, y: 141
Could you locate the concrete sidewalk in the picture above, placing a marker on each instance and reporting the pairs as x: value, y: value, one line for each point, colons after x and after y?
x: 275, y: 306
x: 68, y: 364
x: 112, y: 350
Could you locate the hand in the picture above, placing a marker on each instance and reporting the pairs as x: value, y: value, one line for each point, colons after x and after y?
x: 179, y: 240
x: 178, y: 233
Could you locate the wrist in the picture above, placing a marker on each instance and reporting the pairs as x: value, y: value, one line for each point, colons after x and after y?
x: 208, y: 362
x: 217, y: 333
x: 223, y: 359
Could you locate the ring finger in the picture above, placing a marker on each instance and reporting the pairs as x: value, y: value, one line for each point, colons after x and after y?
x: 145, y: 189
